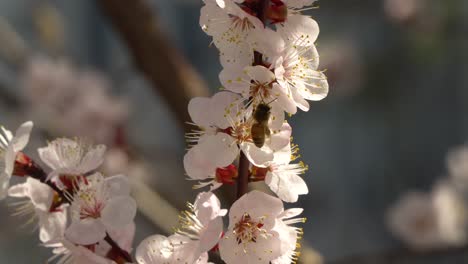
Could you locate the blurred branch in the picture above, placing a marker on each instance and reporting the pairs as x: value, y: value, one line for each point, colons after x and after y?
x: 401, y: 256
x: 167, y: 70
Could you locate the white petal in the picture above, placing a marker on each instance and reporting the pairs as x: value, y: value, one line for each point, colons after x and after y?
x: 86, y: 232
x: 259, y: 157
x: 197, y: 109
x: 300, y: 30
x: 52, y: 225
x: 219, y: 149
x: 282, y: 138
x: 19, y: 190
x: 93, y: 159
x: 118, y: 185
x: 211, y: 235
x: 290, y: 213
x: 21, y: 138
x: 285, y: 99
x: 260, y: 74
x: 197, y: 166
x: 287, y: 186
x: 119, y: 212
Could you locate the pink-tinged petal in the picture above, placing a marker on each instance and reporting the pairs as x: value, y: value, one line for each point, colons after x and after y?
x: 224, y: 108
x: 52, y: 225
x: 41, y: 195
x: 283, y: 156
x: 267, y: 42
x: 282, y: 138
x: 86, y: 232
x: 49, y: 157
x: 220, y: 149
x: 197, y: 109
x: 300, y: 101
x: 290, y: 213
x: 284, y: 98
x: 150, y: 250
x: 93, y: 159
x: 235, y: 79
x: 259, y: 157
x: 118, y: 185
x: 197, y: 166
x: 124, y: 236
x: 21, y: 138
x: 276, y: 116
x: 210, y: 235
x: 206, y: 207
x: 317, y: 88
x: 287, y: 186
x: 256, y: 204
x: 119, y: 212
x: 300, y: 30
x: 260, y: 74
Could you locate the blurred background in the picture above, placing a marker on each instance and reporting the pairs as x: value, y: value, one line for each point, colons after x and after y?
x: 398, y: 74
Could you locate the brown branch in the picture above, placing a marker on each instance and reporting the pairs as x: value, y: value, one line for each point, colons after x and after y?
x: 402, y: 256
x: 167, y: 70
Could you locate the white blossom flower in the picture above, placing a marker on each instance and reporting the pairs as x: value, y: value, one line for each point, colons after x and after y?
x: 201, y: 228
x: 99, y: 205
x: 258, y: 84
x: 10, y: 146
x: 257, y: 232
x: 70, y: 101
x: 413, y: 219
x: 71, y: 157
x: 230, y: 27
x: 296, y: 71
x: 429, y: 221
x: 283, y: 177
x: 51, y: 219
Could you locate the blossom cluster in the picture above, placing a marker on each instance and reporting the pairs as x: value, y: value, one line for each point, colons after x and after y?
x: 82, y: 215
x: 241, y: 135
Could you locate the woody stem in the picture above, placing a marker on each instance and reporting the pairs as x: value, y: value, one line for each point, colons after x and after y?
x: 244, y: 164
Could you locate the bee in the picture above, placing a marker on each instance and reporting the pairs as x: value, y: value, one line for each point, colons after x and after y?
x: 260, y: 130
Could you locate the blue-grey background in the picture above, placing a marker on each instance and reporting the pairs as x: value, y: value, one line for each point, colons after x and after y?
x: 397, y: 104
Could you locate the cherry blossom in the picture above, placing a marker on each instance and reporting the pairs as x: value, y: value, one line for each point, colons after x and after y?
x: 66, y: 252
x: 229, y: 26
x: 257, y: 232
x: 71, y: 157
x: 283, y: 177
x: 100, y: 205
x: 41, y: 207
x: 10, y: 146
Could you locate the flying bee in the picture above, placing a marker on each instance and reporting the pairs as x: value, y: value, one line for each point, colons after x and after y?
x: 260, y: 130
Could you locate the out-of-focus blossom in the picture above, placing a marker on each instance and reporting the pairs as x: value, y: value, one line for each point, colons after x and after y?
x: 71, y: 102
x: 71, y: 157
x: 429, y: 221
x: 10, y: 146
x: 403, y: 10
x: 39, y: 205
x: 100, y: 205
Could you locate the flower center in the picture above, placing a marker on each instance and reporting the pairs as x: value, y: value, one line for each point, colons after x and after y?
x: 241, y: 23
x: 91, y: 207
x: 247, y: 230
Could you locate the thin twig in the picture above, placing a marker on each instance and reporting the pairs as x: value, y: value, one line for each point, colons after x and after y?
x: 167, y: 70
